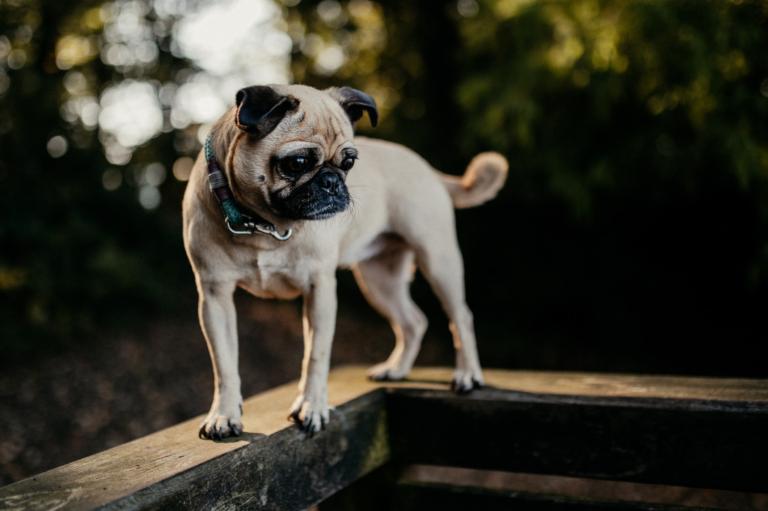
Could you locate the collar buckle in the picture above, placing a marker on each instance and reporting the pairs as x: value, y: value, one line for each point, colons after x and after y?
x: 263, y: 228
x: 270, y: 229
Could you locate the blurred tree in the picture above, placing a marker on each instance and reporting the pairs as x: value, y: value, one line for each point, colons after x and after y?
x: 77, y: 248
x: 402, y: 53
x: 632, y: 232
x: 638, y: 193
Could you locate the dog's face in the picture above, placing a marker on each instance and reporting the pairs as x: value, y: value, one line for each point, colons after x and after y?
x: 297, y: 148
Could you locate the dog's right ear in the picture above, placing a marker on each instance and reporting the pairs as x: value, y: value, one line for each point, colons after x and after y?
x: 260, y: 109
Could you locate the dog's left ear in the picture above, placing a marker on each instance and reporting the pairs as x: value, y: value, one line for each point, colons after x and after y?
x: 260, y: 109
x: 355, y: 103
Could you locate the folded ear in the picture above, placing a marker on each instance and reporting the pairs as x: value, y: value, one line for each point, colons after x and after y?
x: 260, y: 109
x: 355, y: 102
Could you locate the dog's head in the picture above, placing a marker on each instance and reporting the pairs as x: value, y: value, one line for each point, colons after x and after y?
x: 295, y: 147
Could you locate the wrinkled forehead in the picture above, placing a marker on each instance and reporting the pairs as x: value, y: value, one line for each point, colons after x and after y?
x: 319, y: 120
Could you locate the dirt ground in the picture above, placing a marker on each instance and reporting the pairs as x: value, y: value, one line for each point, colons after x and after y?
x: 59, y: 409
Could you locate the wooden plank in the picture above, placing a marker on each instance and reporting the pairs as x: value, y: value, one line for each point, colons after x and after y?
x: 375, y: 491
x: 585, y: 488
x: 683, y: 442
x: 173, y: 466
x: 271, y: 462
x: 413, y: 496
x: 285, y: 471
x: 612, y: 385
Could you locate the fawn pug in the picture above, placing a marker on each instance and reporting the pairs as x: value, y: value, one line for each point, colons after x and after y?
x: 280, y: 165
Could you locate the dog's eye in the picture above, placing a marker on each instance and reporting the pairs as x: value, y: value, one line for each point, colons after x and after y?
x: 298, y: 164
x: 347, y: 163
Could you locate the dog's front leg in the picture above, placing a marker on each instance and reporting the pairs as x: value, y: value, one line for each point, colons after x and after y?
x: 310, y: 410
x: 219, y: 322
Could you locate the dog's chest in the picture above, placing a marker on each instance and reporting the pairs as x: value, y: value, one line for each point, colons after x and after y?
x: 267, y: 276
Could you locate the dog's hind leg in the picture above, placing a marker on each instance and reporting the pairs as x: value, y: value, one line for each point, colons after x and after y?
x: 443, y: 267
x: 384, y: 280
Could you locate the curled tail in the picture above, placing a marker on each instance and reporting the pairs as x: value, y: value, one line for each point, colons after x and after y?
x: 482, y: 180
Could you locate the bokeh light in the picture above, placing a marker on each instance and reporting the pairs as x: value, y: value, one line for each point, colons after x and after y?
x: 149, y: 196
x: 131, y: 113
x: 232, y: 43
x: 235, y: 43
x: 112, y: 179
x: 57, y: 146
x: 182, y: 168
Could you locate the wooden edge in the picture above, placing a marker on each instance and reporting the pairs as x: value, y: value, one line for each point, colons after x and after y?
x: 288, y: 470
x: 627, y: 385
x: 684, y: 442
x: 605, y: 384
x: 147, y: 461
x: 585, y: 488
x: 413, y: 495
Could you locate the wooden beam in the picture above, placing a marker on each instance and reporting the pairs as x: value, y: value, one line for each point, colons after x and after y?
x: 611, y: 385
x: 581, y: 487
x: 700, y: 443
x: 275, y: 466
x: 411, y: 496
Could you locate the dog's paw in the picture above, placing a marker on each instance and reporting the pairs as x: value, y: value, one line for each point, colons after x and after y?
x: 310, y: 415
x: 386, y: 371
x: 465, y: 381
x: 219, y: 427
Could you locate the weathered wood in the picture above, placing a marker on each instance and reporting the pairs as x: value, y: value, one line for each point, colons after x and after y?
x: 275, y: 466
x: 684, y: 442
x: 412, y: 496
x: 582, y: 488
x: 623, y: 385
x: 272, y: 465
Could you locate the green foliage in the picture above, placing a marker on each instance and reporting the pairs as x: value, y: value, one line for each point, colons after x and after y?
x: 619, y: 96
x: 632, y: 232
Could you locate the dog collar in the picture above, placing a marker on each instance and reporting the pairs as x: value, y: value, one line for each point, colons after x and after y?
x: 233, y: 217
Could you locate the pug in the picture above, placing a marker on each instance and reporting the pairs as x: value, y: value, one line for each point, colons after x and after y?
x: 283, y: 195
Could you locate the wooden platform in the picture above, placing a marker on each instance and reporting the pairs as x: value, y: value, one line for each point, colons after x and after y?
x: 695, y: 432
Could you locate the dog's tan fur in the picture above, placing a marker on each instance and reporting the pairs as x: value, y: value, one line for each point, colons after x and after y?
x: 402, y: 216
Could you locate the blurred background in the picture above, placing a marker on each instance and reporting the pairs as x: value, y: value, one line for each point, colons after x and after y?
x: 632, y: 235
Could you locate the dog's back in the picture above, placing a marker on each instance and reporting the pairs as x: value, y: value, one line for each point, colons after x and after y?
x: 402, y: 168
x: 398, y: 191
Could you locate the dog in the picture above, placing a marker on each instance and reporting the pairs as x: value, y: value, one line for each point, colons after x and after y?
x: 268, y: 208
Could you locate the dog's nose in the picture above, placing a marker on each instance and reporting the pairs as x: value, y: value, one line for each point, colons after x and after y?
x: 329, y: 181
